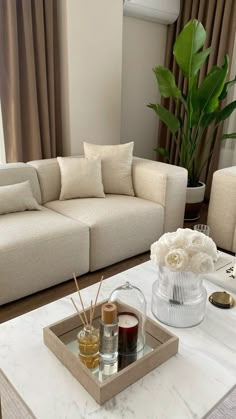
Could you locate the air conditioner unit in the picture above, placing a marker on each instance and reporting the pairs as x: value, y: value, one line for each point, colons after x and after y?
x: 162, y: 11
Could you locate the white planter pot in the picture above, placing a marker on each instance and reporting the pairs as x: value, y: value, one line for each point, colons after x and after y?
x: 194, y: 199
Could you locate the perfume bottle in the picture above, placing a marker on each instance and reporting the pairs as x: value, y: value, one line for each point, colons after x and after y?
x: 108, y: 333
x: 88, y: 343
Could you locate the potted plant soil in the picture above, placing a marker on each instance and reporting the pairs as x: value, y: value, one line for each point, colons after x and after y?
x: 200, y: 108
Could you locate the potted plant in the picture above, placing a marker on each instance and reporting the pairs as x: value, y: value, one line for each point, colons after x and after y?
x: 201, y: 104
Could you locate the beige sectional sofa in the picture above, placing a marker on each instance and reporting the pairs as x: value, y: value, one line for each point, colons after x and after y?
x: 39, y: 249
x: 222, y: 209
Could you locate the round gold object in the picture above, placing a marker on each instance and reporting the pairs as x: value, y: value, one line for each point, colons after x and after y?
x: 221, y: 299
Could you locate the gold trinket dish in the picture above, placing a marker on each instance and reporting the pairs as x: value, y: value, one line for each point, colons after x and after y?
x: 221, y: 299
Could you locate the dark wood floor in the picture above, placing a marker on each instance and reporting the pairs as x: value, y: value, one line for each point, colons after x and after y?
x: 16, y: 308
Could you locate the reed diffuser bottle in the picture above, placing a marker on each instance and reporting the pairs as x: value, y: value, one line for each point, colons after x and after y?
x: 88, y: 343
x: 88, y: 336
x: 109, y: 333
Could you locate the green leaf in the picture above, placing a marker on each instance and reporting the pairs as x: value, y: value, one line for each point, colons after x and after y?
x: 188, y: 42
x: 166, y: 82
x: 198, y: 60
x: 232, y: 135
x: 211, y: 88
x: 226, y: 111
x: 208, y: 118
x: 195, y: 117
x: 166, y: 116
x: 226, y: 88
x: 162, y: 151
x: 195, y: 111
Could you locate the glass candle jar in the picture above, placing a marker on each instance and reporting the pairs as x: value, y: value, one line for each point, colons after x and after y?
x: 88, y: 344
x: 131, y: 305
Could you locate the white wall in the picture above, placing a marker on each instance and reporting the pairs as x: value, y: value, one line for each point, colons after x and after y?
x: 91, y: 58
x: 144, y: 46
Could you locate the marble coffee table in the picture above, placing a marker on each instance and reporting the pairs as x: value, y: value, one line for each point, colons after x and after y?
x: 186, y: 386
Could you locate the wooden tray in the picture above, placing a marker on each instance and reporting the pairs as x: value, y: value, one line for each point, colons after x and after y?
x: 61, y: 336
x: 12, y: 406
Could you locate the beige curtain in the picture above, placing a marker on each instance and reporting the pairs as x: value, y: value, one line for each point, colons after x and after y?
x: 30, y: 79
x: 219, y: 19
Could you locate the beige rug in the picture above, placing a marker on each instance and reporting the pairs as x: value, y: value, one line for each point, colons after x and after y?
x: 12, y: 405
x: 225, y: 408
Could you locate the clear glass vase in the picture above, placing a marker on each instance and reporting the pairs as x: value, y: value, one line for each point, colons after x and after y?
x: 178, y: 298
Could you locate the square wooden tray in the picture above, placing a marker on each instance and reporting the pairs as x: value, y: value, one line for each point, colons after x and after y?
x: 163, y: 343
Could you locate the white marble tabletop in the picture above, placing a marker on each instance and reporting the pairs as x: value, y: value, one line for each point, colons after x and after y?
x: 186, y: 386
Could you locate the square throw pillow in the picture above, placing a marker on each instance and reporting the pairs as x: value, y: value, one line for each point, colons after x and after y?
x: 116, y: 166
x: 16, y: 198
x: 80, y: 178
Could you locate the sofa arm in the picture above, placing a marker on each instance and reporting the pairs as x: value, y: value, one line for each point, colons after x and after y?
x: 165, y: 184
x: 222, y: 208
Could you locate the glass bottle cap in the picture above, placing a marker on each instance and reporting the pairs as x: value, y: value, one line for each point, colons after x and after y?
x: 109, y: 313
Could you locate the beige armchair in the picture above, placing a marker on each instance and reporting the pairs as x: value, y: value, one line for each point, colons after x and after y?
x: 222, y: 209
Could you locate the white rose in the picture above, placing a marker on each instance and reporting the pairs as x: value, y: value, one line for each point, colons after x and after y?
x: 199, y: 242
x: 158, y: 252
x: 176, y: 260
x: 202, y: 263
x: 185, y: 231
x: 196, y: 242
x: 174, y: 240
x: 211, y: 249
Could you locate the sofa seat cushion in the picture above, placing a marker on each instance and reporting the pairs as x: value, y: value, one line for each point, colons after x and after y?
x: 120, y: 226
x: 44, y: 243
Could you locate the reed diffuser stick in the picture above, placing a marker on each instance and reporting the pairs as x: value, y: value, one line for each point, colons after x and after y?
x: 77, y: 286
x: 77, y: 311
x: 96, y: 298
x: 92, y: 306
x: 90, y: 313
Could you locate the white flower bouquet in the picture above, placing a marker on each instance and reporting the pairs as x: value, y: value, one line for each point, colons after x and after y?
x: 185, y: 250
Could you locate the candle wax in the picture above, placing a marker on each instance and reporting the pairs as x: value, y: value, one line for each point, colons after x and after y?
x: 128, y: 333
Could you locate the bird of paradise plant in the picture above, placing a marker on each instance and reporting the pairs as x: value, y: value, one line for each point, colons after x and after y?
x: 201, y: 102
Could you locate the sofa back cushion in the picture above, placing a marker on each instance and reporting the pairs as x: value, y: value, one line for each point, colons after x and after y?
x: 49, y: 178
x: 116, y: 166
x: 12, y: 173
x: 17, y: 198
x: 80, y: 178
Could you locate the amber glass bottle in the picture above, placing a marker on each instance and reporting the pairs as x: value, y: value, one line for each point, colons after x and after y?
x: 88, y: 343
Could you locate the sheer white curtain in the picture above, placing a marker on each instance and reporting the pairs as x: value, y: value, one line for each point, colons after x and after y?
x: 228, y: 147
x: 2, y: 148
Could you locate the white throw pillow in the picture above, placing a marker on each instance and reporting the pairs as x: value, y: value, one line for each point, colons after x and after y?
x: 16, y: 198
x: 80, y: 178
x: 116, y: 166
